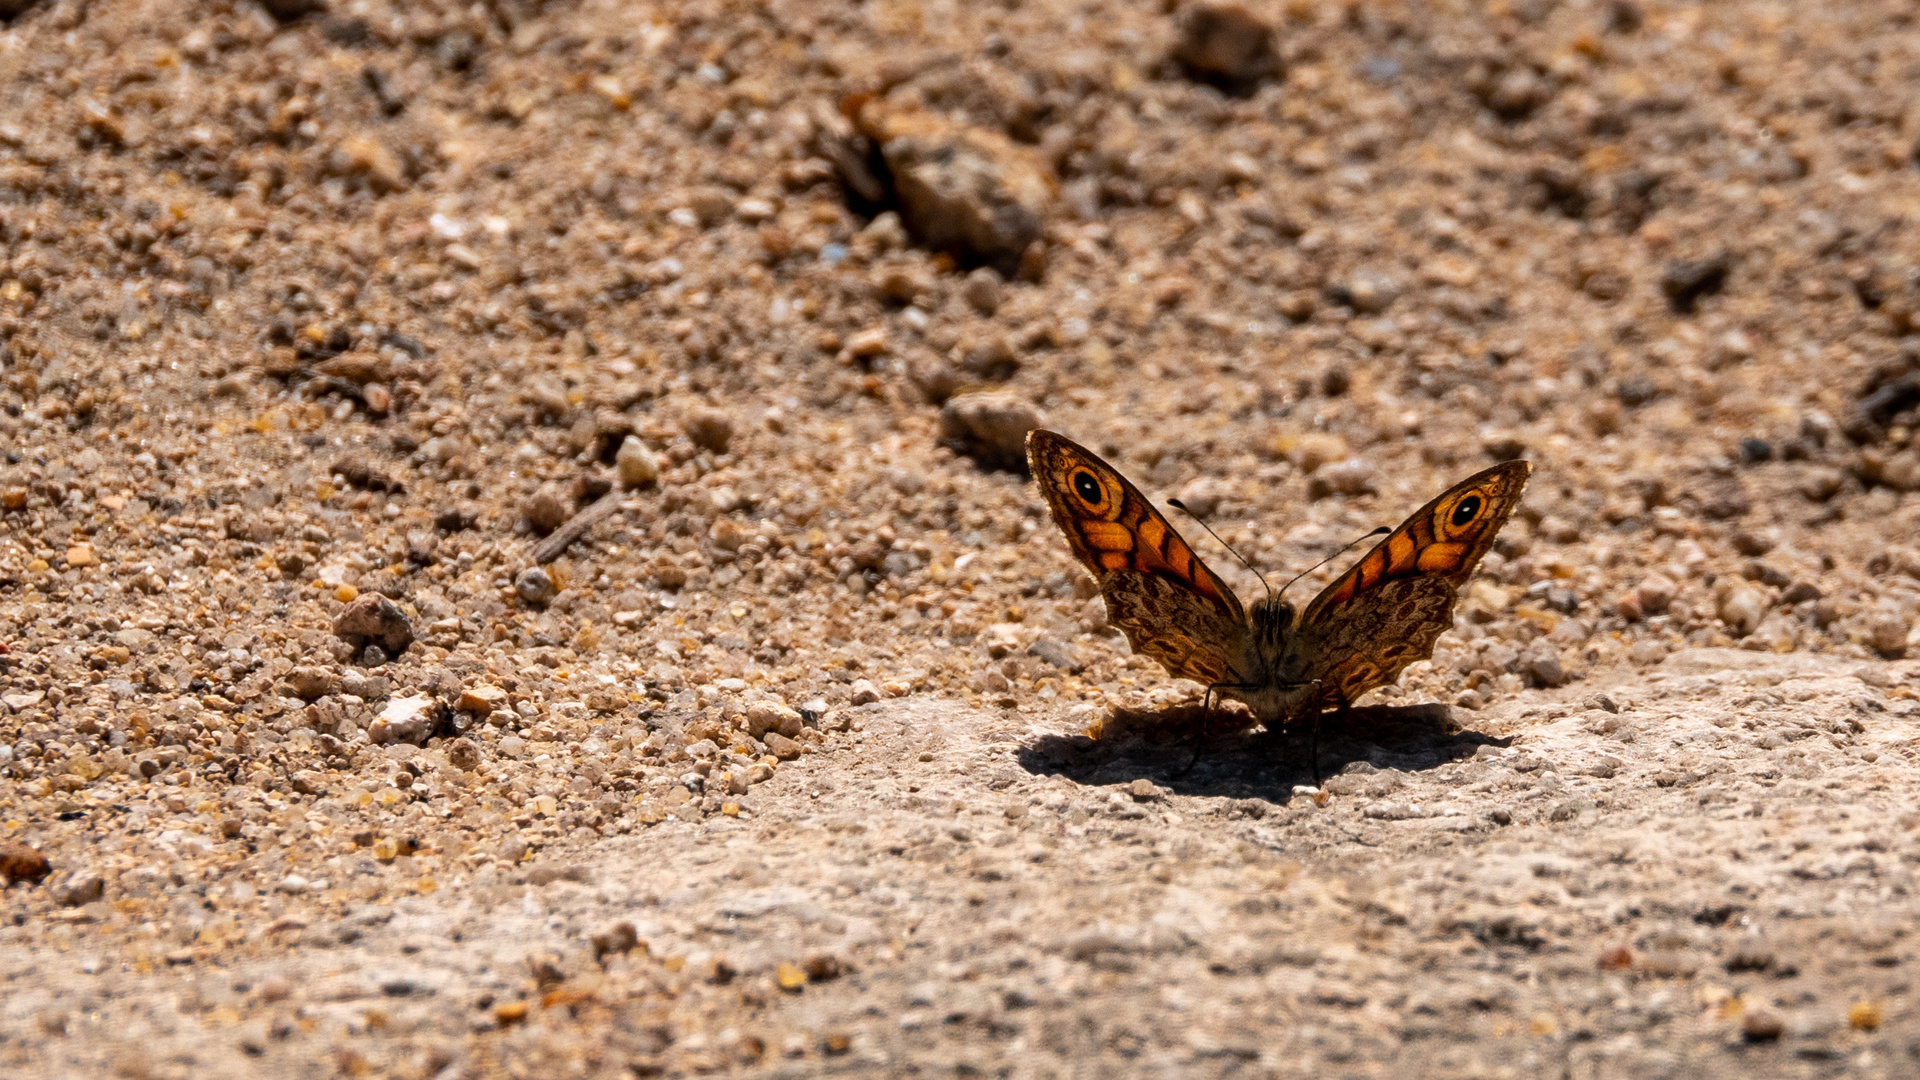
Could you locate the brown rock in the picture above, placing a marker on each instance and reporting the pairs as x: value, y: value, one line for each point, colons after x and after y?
x: 1354, y: 476
x: 312, y: 683
x: 710, y: 430
x: 481, y: 700
x: 1887, y: 631
x: 994, y: 359
x: 1741, y: 607
x: 362, y: 474
x: 782, y: 747
x: 288, y: 10
x: 636, y: 464
x: 1368, y: 292
x: 18, y: 862
x: 372, y: 619
x: 1822, y: 483
x: 463, y: 754
x: 1900, y: 471
x: 546, y: 512
x: 359, y: 368
x: 990, y: 428
x: 1761, y: 1026
x: 619, y: 938
x: 1314, y: 449
x: 771, y: 716
x: 1223, y: 41
x: 962, y: 189
x: 983, y: 291
x: 78, y: 889
x: 935, y: 379
x: 1655, y: 593
x: 824, y: 967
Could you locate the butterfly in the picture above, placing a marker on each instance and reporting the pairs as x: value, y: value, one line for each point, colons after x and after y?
x: 1360, y: 633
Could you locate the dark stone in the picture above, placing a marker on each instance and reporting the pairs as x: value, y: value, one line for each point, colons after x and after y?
x: 1686, y: 282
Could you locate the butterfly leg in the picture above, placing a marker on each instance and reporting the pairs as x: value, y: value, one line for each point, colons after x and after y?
x: 1313, y: 740
x: 1339, y: 713
x: 1199, y: 747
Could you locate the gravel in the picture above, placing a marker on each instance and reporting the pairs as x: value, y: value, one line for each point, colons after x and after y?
x: 479, y: 479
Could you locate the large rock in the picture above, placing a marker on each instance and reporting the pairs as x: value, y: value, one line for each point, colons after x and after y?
x: 962, y: 189
x: 990, y: 428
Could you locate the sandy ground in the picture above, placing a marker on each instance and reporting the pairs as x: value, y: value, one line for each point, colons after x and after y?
x: 516, y: 560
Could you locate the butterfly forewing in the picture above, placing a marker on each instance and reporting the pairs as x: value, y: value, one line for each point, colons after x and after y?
x: 1387, y: 611
x: 1158, y: 592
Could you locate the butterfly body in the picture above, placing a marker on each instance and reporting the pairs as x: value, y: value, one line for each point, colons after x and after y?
x: 1360, y: 633
x: 1272, y: 678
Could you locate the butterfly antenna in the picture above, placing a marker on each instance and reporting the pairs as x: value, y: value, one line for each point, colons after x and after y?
x: 1335, y: 555
x: 1182, y: 507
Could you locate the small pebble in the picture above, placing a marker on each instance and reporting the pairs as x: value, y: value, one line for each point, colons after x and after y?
x: 81, y: 888
x: 1370, y: 293
x: 1221, y: 39
x: 982, y: 291
x: 782, y: 747
x: 482, y: 699
x: 312, y: 683
x: 410, y: 719
x: 1761, y: 1026
x: 1741, y: 607
x: 636, y: 465
x: 1655, y: 593
x: 620, y: 938
x: 1888, y: 632
x: 372, y: 619
x: 463, y: 754
x: 535, y: 586
x: 545, y: 512
x: 710, y: 430
x: 1354, y: 476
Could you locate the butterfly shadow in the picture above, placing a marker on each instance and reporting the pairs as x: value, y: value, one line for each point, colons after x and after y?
x: 1194, y: 751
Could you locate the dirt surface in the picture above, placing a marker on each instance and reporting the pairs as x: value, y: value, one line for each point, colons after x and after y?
x: 515, y: 560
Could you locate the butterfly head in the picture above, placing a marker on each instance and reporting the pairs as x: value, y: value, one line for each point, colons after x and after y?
x: 1272, y: 620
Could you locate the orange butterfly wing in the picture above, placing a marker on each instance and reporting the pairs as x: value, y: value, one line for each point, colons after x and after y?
x: 1388, y: 609
x: 1170, y: 606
